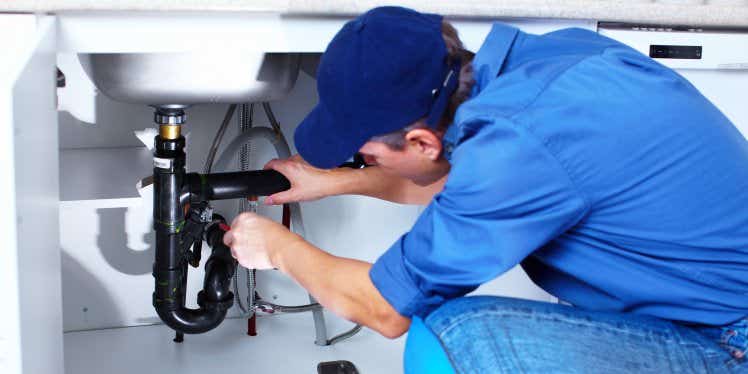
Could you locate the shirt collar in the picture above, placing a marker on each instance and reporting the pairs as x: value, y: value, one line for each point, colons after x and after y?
x: 493, y: 52
x: 487, y: 64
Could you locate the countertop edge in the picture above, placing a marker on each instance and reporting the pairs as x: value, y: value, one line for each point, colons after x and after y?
x: 632, y: 11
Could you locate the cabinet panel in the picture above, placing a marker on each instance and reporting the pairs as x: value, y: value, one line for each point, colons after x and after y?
x: 31, y: 317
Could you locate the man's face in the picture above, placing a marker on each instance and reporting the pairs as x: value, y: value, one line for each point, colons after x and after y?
x: 415, y: 161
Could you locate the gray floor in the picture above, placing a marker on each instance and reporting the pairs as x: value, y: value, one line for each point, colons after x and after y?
x: 284, y: 345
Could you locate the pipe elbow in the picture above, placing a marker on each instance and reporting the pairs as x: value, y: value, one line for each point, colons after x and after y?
x: 219, y: 269
x: 217, y: 282
x: 192, y: 321
x: 214, y: 300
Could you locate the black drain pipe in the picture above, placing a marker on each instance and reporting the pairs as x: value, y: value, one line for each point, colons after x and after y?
x: 214, y: 300
x: 173, y: 189
x: 233, y: 185
x: 170, y: 267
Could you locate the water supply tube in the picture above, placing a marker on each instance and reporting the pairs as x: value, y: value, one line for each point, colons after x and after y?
x: 245, y: 121
x: 236, y: 144
x: 276, y: 138
x: 282, y: 149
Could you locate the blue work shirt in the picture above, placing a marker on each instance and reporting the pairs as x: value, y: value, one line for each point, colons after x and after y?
x: 608, y: 176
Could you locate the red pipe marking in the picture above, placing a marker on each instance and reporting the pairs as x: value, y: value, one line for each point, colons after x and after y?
x: 286, y: 216
x: 252, y: 325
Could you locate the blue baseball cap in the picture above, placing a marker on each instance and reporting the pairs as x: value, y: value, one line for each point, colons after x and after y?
x: 380, y: 73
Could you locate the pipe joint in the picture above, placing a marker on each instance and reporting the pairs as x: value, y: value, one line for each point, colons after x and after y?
x: 221, y: 305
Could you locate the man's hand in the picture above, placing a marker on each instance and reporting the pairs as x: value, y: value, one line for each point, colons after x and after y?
x: 255, y: 241
x: 307, y: 182
x: 310, y: 183
x: 339, y: 284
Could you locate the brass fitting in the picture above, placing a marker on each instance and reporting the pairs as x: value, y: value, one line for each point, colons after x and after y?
x: 170, y: 132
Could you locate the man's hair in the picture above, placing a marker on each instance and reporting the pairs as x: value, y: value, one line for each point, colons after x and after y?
x: 455, y: 51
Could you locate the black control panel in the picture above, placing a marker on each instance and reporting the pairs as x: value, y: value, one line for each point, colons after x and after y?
x: 691, y: 52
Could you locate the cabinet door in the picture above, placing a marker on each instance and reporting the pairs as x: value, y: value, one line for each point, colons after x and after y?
x: 30, y: 315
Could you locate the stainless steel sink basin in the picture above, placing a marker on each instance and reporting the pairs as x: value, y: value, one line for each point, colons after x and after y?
x: 168, y: 79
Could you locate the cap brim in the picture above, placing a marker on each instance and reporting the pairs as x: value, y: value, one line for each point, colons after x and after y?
x: 320, y: 141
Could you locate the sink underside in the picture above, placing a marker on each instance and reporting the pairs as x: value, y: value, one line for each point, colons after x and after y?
x: 168, y: 79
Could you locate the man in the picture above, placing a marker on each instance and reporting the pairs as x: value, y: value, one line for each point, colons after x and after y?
x: 615, y: 184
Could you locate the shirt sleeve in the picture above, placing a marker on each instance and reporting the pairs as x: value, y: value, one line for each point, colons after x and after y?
x: 505, y: 197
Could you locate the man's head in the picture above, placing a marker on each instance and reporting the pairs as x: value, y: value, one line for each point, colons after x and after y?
x: 389, y: 84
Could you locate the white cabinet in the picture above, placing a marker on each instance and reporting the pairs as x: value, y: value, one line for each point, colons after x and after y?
x: 31, y: 315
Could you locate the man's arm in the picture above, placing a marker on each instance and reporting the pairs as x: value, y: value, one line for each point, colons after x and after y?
x: 310, y: 183
x: 373, y: 181
x: 341, y: 285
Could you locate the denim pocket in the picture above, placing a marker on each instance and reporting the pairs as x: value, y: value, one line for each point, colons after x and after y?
x: 734, y: 339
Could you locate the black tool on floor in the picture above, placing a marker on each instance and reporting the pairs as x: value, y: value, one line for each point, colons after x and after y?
x: 336, y: 367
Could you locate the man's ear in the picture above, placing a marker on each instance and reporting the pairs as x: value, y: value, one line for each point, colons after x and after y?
x: 426, y: 142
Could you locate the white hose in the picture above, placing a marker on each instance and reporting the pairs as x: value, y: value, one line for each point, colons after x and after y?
x: 233, y: 148
x: 281, y: 148
x: 297, y: 224
x: 244, y: 120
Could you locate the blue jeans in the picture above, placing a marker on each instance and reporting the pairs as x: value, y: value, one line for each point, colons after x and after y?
x: 485, y: 334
